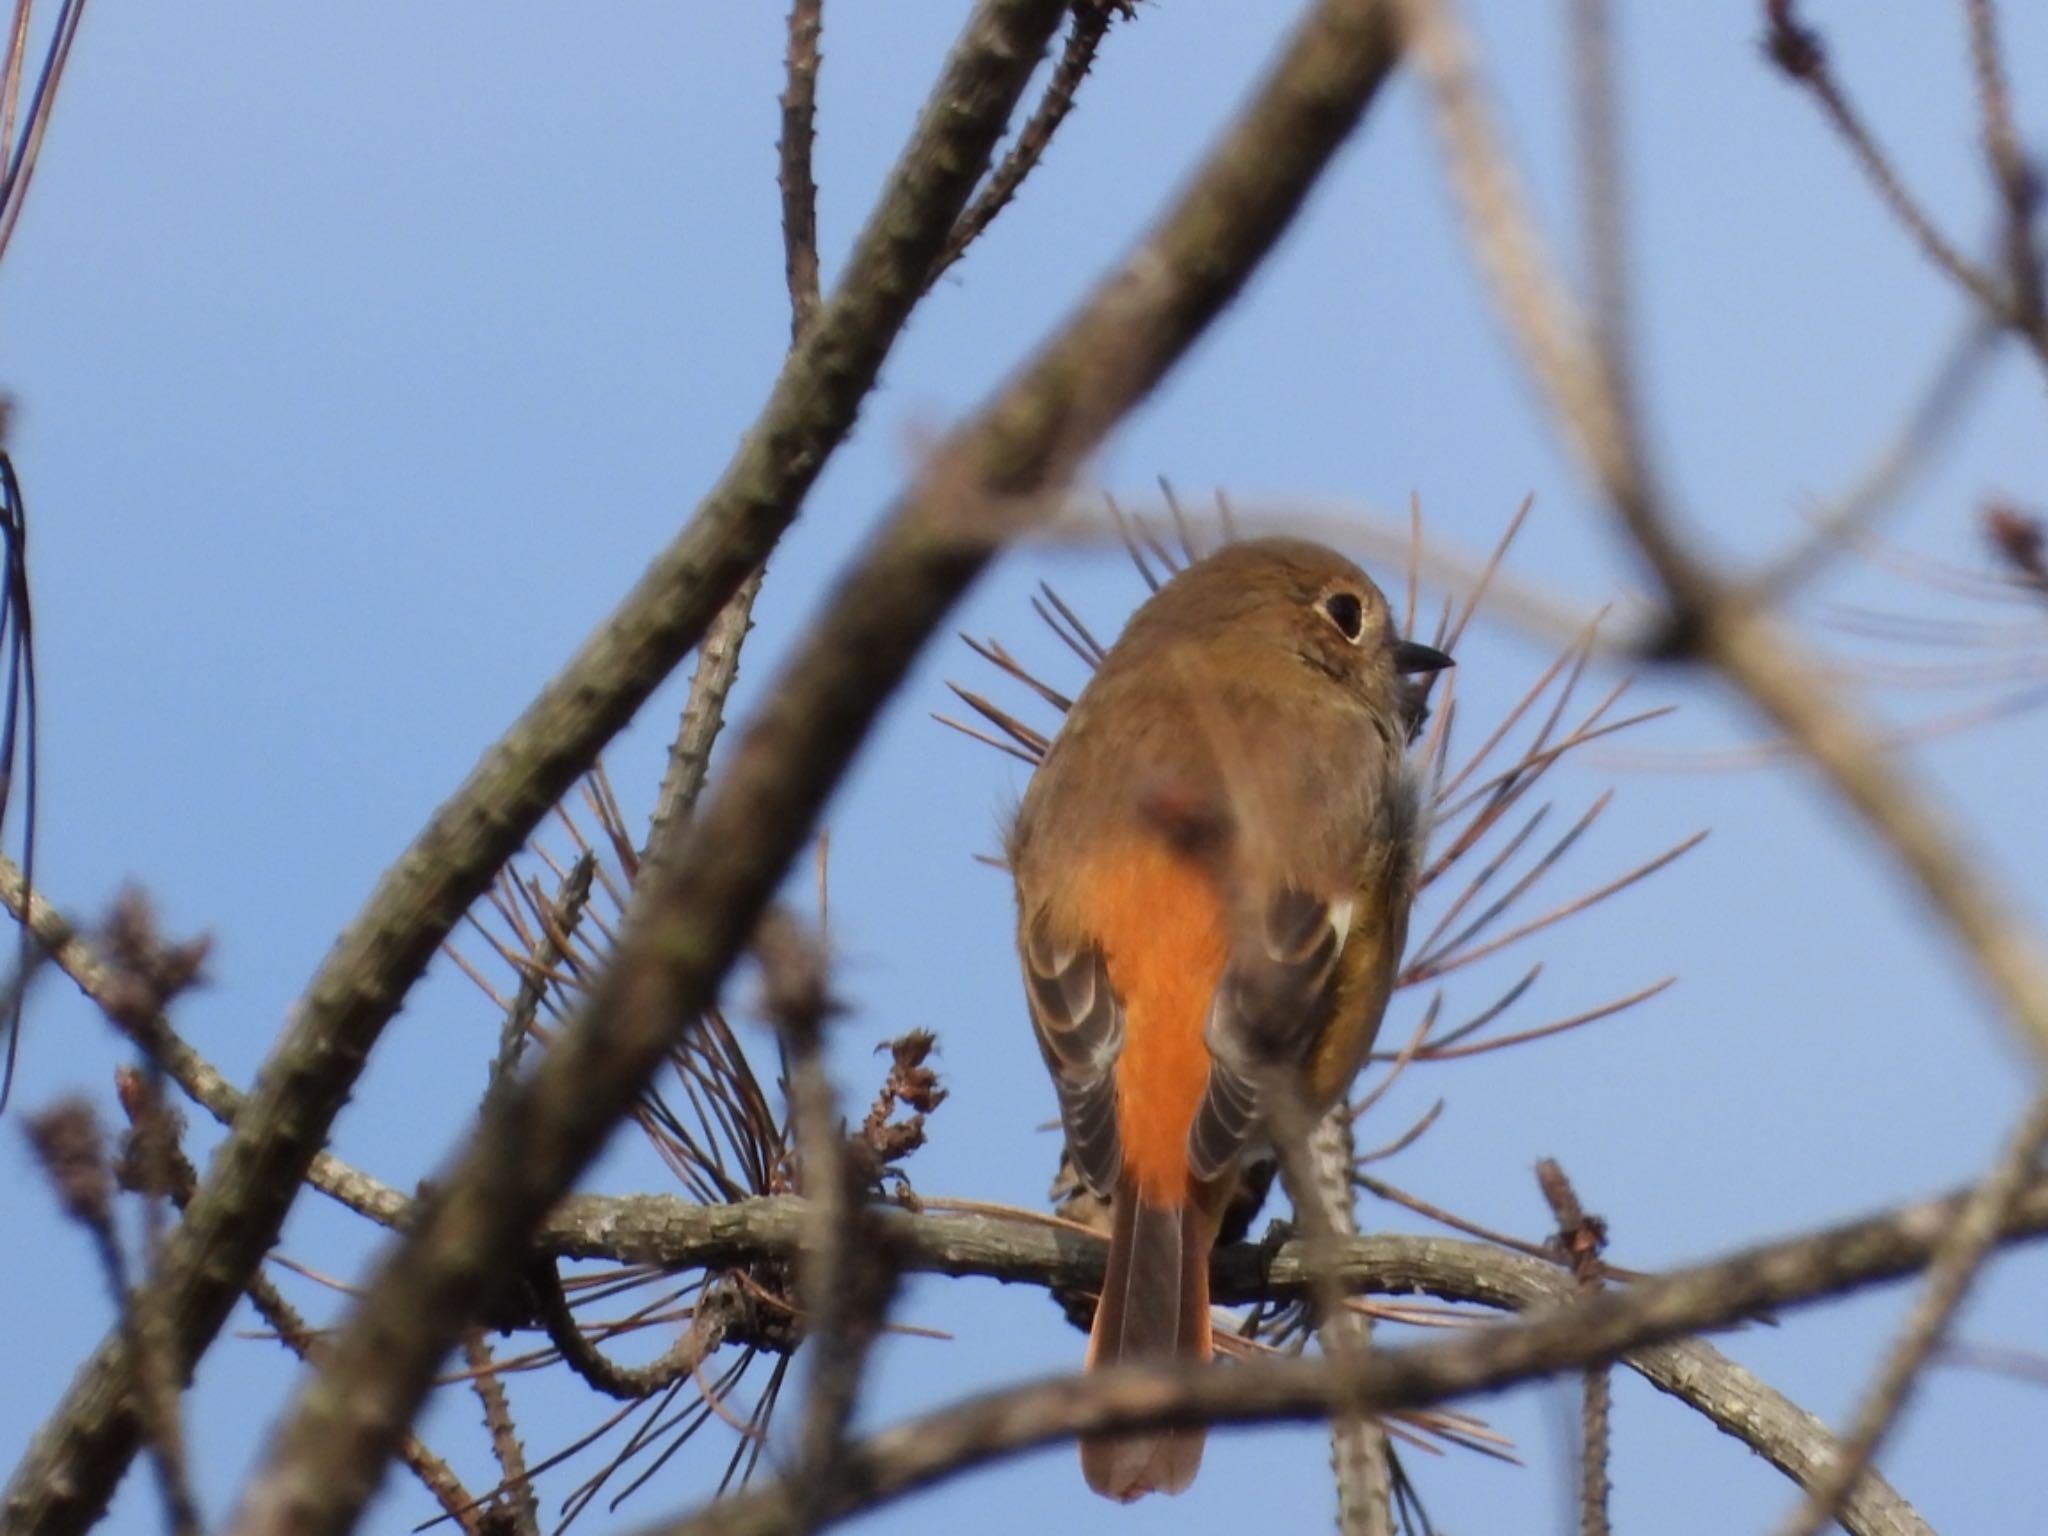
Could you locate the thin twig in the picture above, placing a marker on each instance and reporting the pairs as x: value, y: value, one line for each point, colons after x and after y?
x: 163, y: 1047
x: 181, y: 1181
x: 1799, y: 53
x: 1085, y: 31
x: 21, y: 159
x: 1602, y: 188
x: 1442, y: 1217
x: 718, y: 659
x: 72, y: 1149
x: 20, y: 715
x: 1581, y: 1238
x: 547, y: 949
x: 2018, y: 183
x: 683, y: 1358
x: 1709, y: 623
x: 12, y: 65
x: 846, y: 1276
x: 689, y: 760
x: 1898, y: 460
x: 518, y: 1509
x: 799, y: 184
x: 1359, y: 1452
x: 1707, y: 620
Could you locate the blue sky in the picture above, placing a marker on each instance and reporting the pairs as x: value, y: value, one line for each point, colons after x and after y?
x: 362, y: 360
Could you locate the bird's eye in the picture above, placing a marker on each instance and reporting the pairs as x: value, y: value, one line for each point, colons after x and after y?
x: 1347, y: 612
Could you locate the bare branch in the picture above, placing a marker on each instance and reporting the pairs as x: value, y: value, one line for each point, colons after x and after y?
x: 718, y: 660
x: 1602, y: 188
x: 1085, y: 31
x: 72, y: 1149
x: 1581, y: 1238
x: 64, y: 1479
x: 994, y: 473
x: 1722, y: 627
x: 1567, y: 1333
x: 165, y: 1049
x: 182, y: 1180
x: 2018, y: 184
x: 20, y: 717
x: 2015, y: 304
x: 847, y: 1274
x: 689, y: 760
x: 1360, y: 1456
x: 520, y: 1510
x: 799, y: 186
x: 1709, y: 619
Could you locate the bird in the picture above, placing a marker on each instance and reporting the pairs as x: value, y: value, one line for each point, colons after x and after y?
x: 1214, y: 864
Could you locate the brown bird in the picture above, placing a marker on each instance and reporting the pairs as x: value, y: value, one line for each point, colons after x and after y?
x: 1214, y: 866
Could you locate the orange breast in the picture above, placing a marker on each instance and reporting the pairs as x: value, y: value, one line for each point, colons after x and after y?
x: 1160, y: 922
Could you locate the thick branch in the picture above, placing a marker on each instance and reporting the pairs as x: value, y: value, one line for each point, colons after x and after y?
x: 70, y: 1469
x: 987, y: 478
x: 672, y: 1233
x: 675, y: 1234
x: 1567, y: 1331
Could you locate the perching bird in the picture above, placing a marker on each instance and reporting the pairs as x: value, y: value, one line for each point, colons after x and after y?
x: 1214, y: 866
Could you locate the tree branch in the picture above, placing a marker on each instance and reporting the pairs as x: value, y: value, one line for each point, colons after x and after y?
x: 1359, y: 1449
x: 990, y: 476
x: 1567, y: 1331
x: 1716, y: 622
x: 1710, y: 619
x: 718, y: 659
x: 73, y: 1463
x: 168, y: 1051
x: 1085, y: 31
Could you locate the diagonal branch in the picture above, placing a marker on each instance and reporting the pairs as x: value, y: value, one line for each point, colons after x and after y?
x: 1798, y: 51
x: 1711, y: 620
x: 1085, y: 32
x: 170, y: 1053
x: 70, y: 1468
x: 990, y: 477
x: 2018, y: 182
x: 1723, y: 625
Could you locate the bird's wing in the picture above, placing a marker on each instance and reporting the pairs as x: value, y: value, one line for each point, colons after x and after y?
x: 1275, y: 998
x: 1080, y: 1025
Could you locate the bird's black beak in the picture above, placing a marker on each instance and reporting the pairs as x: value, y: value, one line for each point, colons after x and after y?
x: 1414, y: 656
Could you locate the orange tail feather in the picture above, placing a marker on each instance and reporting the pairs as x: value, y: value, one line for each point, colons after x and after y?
x: 1155, y: 1306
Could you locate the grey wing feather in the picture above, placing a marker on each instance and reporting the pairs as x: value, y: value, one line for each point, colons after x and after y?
x: 1080, y: 1025
x: 1273, y: 1001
